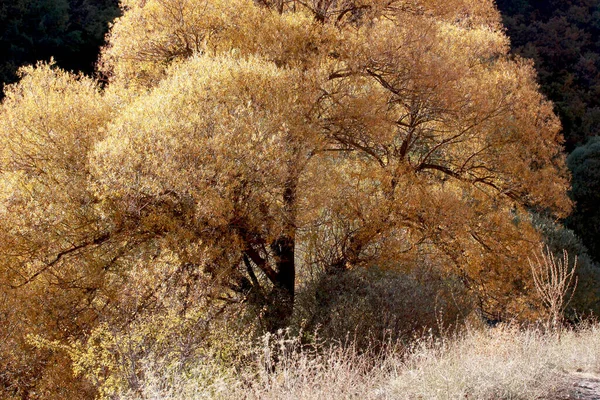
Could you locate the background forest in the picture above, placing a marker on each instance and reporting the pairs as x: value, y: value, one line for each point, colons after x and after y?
x: 70, y: 31
x: 185, y: 176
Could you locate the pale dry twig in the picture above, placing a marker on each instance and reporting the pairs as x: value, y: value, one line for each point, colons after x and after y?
x: 553, y: 279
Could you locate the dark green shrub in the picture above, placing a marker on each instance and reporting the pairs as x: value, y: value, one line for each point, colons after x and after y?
x: 371, y: 305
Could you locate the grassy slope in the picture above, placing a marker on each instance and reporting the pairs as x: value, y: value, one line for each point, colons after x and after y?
x: 498, y: 363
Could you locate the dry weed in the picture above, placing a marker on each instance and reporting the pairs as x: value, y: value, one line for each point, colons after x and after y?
x: 500, y: 363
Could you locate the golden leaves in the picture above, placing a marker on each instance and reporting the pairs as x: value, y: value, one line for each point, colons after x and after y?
x: 226, y: 105
x: 150, y: 37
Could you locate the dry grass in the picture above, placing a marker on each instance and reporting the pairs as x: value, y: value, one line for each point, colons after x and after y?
x: 499, y: 363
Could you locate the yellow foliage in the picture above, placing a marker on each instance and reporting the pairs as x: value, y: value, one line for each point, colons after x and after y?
x: 153, y: 34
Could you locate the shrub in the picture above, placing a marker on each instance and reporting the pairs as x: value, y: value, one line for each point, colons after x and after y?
x: 118, y: 361
x: 374, y: 305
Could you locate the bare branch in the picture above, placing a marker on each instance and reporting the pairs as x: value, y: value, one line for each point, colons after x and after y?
x: 554, y: 279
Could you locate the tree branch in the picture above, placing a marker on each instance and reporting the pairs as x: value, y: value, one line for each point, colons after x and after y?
x: 97, y: 241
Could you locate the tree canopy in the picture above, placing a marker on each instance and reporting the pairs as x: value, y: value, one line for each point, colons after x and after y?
x: 240, y: 143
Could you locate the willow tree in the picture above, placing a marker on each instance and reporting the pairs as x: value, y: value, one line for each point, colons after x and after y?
x: 237, y: 142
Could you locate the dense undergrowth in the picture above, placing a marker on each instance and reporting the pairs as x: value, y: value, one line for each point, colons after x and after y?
x: 377, y: 335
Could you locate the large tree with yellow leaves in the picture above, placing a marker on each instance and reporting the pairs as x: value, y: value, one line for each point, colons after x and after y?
x: 238, y: 142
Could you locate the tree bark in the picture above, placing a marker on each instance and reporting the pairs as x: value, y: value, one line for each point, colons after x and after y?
x: 281, y: 302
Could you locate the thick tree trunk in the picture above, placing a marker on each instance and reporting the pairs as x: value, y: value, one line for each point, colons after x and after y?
x: 281, y: 304
x: 281, y: 301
